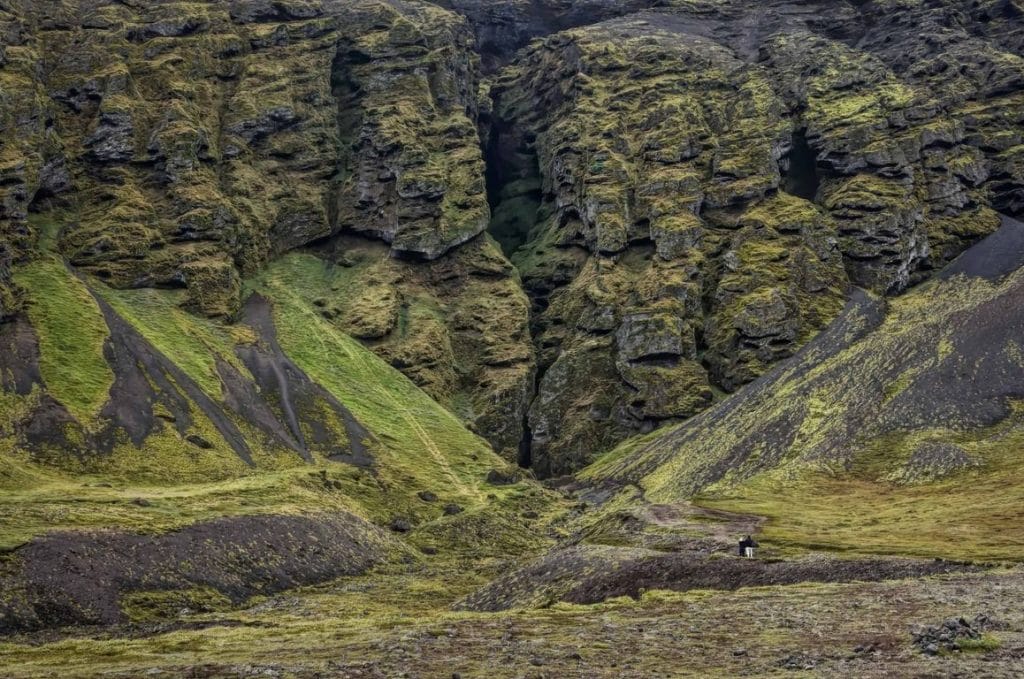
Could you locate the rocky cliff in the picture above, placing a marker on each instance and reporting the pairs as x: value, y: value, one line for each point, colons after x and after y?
x: 686, y: 190
x: 185, y: 145
x: 689, y: 192
x: 288, y: 288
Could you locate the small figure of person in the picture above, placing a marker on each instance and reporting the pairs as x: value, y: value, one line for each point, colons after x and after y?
x: 747, y: 545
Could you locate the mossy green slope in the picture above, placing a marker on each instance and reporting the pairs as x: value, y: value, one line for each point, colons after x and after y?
x: 417, y: 444
x: 425, y: 440
x: 894, y: 432
x: 71, y: 333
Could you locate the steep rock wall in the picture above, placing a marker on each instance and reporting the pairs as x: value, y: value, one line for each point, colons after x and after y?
x: 689, y: 191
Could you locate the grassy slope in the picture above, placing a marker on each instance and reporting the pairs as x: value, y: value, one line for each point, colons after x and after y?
x: 973, y: 515
x: 423, y: 440
x: 71, y: 334
x: 418, y: 445
x: 859, y: 502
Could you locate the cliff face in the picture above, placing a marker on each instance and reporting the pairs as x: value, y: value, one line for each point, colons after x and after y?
x: 288, y: 286
x: 695, y: 188
x: 686, y: 189
x: 185, y: 145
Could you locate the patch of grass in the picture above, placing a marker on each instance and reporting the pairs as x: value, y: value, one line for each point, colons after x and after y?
x: 421, y: 440
x: 153, y: 606
x: 984, y: 644
x: 59, y: 501
x: 72, y: 333
x: 971, y: 515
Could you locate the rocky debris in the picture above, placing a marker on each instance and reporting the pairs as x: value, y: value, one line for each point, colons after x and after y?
x: 427, y: 496
x: 934, y: 460
x: 151, y: 395
x: 400, y: 525
x: 799, y: 661
x: 936, y: 639
x: 289, y: 406
x: 505, y: 477
x: 81, y: 578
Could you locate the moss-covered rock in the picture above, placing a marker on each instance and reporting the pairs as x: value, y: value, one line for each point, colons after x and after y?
x: 760, y: 161
x: 672, y: 207
x: 203, y: 137
x: 687, y: 187
x: 407, y: 88
x: 457, y: 326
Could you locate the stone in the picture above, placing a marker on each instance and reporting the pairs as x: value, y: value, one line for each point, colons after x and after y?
x: 506, y: 477
x: 111, y: 141
x: 451, y: 509
x: 400, y: 525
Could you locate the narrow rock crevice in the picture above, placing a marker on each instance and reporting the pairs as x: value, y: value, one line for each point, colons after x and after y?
x: 513, y: 189
x: 800, y: 168
x: 349, y: 119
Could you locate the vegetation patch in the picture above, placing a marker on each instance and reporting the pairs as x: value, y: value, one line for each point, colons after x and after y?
x: 71, y: 333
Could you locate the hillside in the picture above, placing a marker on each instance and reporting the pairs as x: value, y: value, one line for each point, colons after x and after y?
x: 404, y: 338
x: 896, y: 430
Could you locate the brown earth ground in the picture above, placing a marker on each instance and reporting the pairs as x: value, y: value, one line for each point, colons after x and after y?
x: 396, y: 624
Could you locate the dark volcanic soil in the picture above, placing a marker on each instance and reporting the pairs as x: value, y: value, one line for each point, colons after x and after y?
x: 587, y: 574
x: 80, y: 578
x: 681, y: 573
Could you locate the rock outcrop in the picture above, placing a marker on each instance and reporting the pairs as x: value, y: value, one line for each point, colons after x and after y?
x: 689, y: 191
x: 184, y: 145
x: 203, y: 139
x: 457, y: 326
x: 687, y: 188
x: 886, y: 383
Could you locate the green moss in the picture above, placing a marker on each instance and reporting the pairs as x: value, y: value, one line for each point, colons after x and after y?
x: 986, y: 643
x: 424, y: 440
x: 71, y: 333
x: 157, y: 605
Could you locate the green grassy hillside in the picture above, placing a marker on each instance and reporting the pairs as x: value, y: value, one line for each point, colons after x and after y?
x: 899, y: 430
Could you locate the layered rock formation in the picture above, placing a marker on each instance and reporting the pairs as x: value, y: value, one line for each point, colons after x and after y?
x: 184, y: 145
x: 687, y: 188
x: 695, y: 187
x: 884, y: 394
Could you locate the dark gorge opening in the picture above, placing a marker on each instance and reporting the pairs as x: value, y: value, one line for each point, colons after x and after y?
x: 513, y: 189
x: 801, y: 178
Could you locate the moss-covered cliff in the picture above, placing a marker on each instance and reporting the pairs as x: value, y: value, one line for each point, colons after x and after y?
x: 689, y: 192
x: 185, y: 145
x: 277, y: 273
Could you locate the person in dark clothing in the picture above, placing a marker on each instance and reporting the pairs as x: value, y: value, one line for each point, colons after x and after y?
x: 747, y: 545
